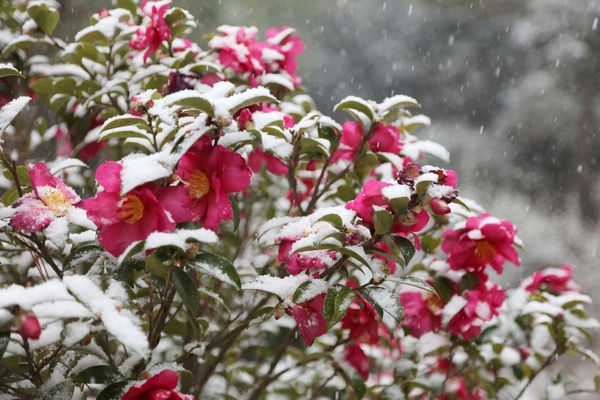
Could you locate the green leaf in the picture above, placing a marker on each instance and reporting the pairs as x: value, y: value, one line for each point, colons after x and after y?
x: 114, y: 391
x: 250, y: 97
x: 217, y: 267
x: 10, y: 111
x: 4, y: 340
x: 407, y: 248
x: 459, y: 201
x: 22, y: 174
x: 186, y: 288
x: 133, y: 250
x: 126, y: 271
x: 9, y: 70
x: 398, y: 203
x: 62, y: 391
x: 344, y: 250
x: 157, y: 266
x: 358, y: 104
x: 307, y: 291
x: 45, y: 17
x: 93, y: 36
x: 216, y: 295
x: 422, y: 186
x: 412, y: 281
x: 262, y: 315
x: 82, y: 255
x: 397, y: 101
x: 203, y: 67
x: 386, y: 300
x: 190, y: 100
x: 236, y: 212
x: 597, y: 383
x: 127, y: 5
x: 390, y: 256
x: 337, y: 302
x: 10, y: 196
x: 121, y: 121
x: 383, y: 221
x: 98, y: 374
x: 333, y: 219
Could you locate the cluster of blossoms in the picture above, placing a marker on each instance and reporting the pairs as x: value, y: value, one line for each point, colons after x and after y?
x: 202, y: 231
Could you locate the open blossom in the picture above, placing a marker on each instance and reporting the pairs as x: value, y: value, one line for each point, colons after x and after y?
x: 371, y: 196
x: 422, y: 312
x: 361, y: 320
x: 129, y: 218
x: 311, y: 323
x: 156, y: 29
x: 476, y: 307
x: 209, y: 174
x: 481, y: 241
x: 290, y: 47
x: 385, y: 138
x: 358, y: 359
x: 50, y: 199
x: 554, y: 280
x: 159, y: 387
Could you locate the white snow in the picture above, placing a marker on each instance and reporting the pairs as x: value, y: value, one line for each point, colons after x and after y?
x: 179, y: 238
x: 284, y: 288
x: 10, y: 111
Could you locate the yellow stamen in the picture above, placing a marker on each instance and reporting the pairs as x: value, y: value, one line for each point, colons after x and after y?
x: 56, y: 201
x: 198, y: 184
x: 434, y: 303
x: 132, y: 209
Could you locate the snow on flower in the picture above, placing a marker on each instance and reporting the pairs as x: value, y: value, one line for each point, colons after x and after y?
x: 422, y: 312
x: 156, y: 29
x: 481, y: 241
x: 554, y: 280
x: 468, y: 312
x: 209, y: 174
x: 159, y: 387
x: 129, y: 218
x: 50, y: 199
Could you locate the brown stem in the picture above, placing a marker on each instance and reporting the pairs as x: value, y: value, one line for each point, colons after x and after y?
x: 551, y: 359
x: 161, y: 318
x: 36, y: 378
x: 280, y: 352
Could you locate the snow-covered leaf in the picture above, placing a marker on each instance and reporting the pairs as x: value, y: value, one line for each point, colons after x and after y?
x: 10, y: 111
x: 412, y: 281
x: 9, y: 70
x: 358, y: 104
x: 46, y: 17
x: 262, y: 315
x: 217, y: 267
x: 336, y: 305
x: 98, y: 374
x: 309, y: 290
x: 386, y: 300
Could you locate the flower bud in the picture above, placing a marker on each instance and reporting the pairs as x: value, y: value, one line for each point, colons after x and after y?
x: 30, y: 327
x: 245, y: 121
x: 439, y: 206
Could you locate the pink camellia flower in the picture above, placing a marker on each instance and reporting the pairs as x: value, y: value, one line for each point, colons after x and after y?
x: 240, y: 51
x: 126, y: 219
x: 422, y: 312
x: 361, y: 320
x: 476, y: 307
x: 30, y: 327
x: 311, y: 323
x: 159, y: 387
x: 371, y: 196
x: 209, y: 174
x: 358, y: 359
x: 156, y: 31
x: 483, y: 240
x: 299, y: 262
x: 50, y: 199
x: 553, y: 280
x: 290, y: 47
x: 385, y: 138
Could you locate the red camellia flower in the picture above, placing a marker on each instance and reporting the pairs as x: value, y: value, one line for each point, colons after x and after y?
x: 554, y: 280
x: 357, y: 358
x: 289, y: 47
x: 422, y: 312
x: 483, y: 240
x: 126, y: 219
x: 156, y: 31
x: 476, y: 307
x: 160, y: 387
x: 311, y: 323
x: 50, y: 199
x: 209, y: 174
x: 385, y: 138
x: 371, y: 196
x: 361, y: 320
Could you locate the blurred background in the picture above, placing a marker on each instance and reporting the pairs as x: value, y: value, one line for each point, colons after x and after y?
x: 512, y: 87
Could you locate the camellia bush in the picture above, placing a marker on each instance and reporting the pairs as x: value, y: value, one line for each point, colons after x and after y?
x: 178, y: 221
